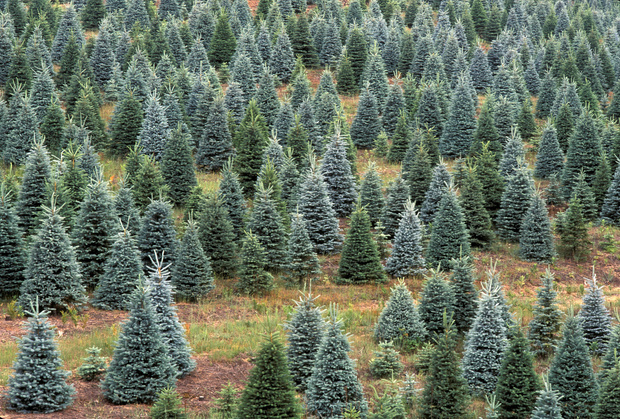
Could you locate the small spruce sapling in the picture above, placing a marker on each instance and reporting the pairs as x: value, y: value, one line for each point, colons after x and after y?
x: 594, y: 317
x: 545, y: 325
x: 93, y: 366
x: 386, y: 362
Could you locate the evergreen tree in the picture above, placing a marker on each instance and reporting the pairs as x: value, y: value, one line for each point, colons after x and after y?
x: 177, y: 166
x: 38, y: 384
x: 607, y: 404
x: 333, y: 385
x: 121, y: 274
x: 267, y: 226
x: 517, y: 383
x: 331, y: 46
x: 215, y: 145
x: 94, y: 230
x: 536, y: 241
x: 32, y: 191
x: 231, y: 194
x: 486, y: 131
x: 490, y: 178
x: 366, y: 126
x: 514, y: 154
x: 399, y: 320
x: 253, y: 279
x: 20, y: 130
x: 457, y: 135
x: 436, y: 190
x: 571, y: 227
x: 519, y: 189
x: 359, y: 262
x: 583, y: 153
x: 52, y: 275
x: 267, y: 98
x: 192, y: 276
x: 217, y: 237
x: 449, y: 236
x: 282, y: 60
x: 371, y: 194
x: 611, y: 206
x: 301, y: 42
x: 429, y: 112
x: 69, y: 26
x: 436, y: 298
x: 485, y: 344
x: 401, y: 140
x: 584, y: 193
x: 417, y: 171
x: 155, y: 131
x: 345, y: 77
x: 445, y: 392
x: 565, y: 125
x: 526, y: 122
x: 92, y: 14
x: 157, y: 234
x: 357, y: 51
x: 305, y: 333
x: 148, y: 182
x: 302, y: 264
x: 340, y: 183
x: 550, y: 158
x: 545, y: 325
x: 465, y: 294
x: 270, y: 391
x: 141, y: 365
x: 571, y: 373
x: 52, y: 126
x: 20, y: 73
x: 251, y: 141
x: 547, y: 404
x: 172, y: 331
x: 406, y: 258
x: 317, y: 210
x: 126, y: 124
x: 13, y: 256
x: 601, y: 182
x: 595, y: 318
x: 397, y: 195
x: 477, y: 219
x: 126, y: 210
x: 223, y: 42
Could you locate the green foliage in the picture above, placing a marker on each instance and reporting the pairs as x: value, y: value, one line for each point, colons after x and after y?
x: 611, y: 206
x: 574, y: 239
x: 172, y: 330
x: 226, y: 405
x: 253, y: 279
x: 168, y: 405
x: 94, y: 230
x: 270, y: 392
x: 366, y: 125
x: 157, y: 234
x: 536, y: 241
x: 192, y: 275
x: 121, y: 274
x: 148, y: 183
x: 399, y: 320
x: 595, y: 318
x: 38, y: 384
x: 517, y: 383
x: 359, y: 262
x: 52, y: 275
x: 251, y: 141
x: 436, y: 190
x: 93, y: 366
x: 406, y: 258
x: 547, y: 404
x: 485, y: 344
x: 267, y: 225
x: 477, y: 218
x: 141, y: 365
x: 519, y: 189
x: 545, y: 325
x: 13, y: 257
x: 401, y: 139
x: 449, y: 236
x: 223, y: 42
x: 571, y: 373
x: 445, y: 392
x: 32, y: 192
x: 302, y: 264
x: 386, y: 362
x: 436, y: 303
x: 177, y: 166
x: 334, y: 385
x: 92, y: 14
x: 465, y: 294
x: 305, y: 333
x: 339, y: 180
x: 217, y: 237
x: 550, y: 159
x: 458, y: 133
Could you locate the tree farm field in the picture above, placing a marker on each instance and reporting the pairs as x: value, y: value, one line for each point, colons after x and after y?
x: 225, y: 329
